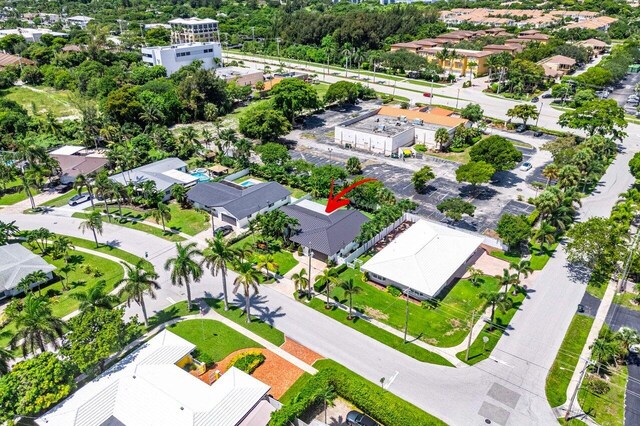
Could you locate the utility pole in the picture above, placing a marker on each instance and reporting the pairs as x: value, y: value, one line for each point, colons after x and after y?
x: 406, y: 316
x: 431, y: 97
x: 253, y: 34
x: 309, y: 281
x: 539, y: 112
x: 457, y: 98
x: 575, y: 392
x: 625, y: 272
x: 473, y: 320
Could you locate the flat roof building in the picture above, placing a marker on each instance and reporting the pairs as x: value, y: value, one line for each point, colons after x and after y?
x: 31, y: 35
x: 177, y: 56
x: 193, y: 30
x: 240, y: 76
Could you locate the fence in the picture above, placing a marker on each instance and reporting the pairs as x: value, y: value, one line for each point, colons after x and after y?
x: 236, y: 175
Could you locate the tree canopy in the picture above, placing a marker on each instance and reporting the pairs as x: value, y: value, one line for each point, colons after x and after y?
x: 497, y: 151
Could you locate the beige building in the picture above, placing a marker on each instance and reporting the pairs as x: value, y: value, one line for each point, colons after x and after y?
x: 463, y: 61
x: 240, y: 76
x: 597, y: 46
x: 193, y: 30
x: 557, y: 66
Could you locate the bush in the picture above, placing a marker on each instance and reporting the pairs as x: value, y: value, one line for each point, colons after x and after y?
x: 533, y: 217
x: 395, y: 292
x: 205, y: 359
x: 420, y: 148
x: 597, y: 386
x: 247, y: 361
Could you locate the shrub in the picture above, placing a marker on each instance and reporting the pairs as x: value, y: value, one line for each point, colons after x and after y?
x: 597, y: 386
x: 393, y: 291
x: 420, y: 148
x: 247, y: 361
x: 533, y: 217
x: 205, y: 359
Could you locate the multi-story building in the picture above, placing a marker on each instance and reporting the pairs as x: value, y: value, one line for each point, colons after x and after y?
x: 177, y: 56
x: 194, y: 30
x: 460, y: 61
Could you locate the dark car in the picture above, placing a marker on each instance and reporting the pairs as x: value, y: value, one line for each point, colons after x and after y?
x: 225, y: 230
x: 535, y: 99
x: 581, y: 308
x: 521, y: 128
x: 537, y: 134
x: 355, y: 418
x: 546, y: 96
x: 63, y: 187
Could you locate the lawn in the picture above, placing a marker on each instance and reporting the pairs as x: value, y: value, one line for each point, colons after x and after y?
x: 14, y: 193
x: 571, y: 422
x: 446, y: 325
x: 45, y: 99
x: 295, y: 389
x: 479, y: 350
x: 60, y: 201
x: 212, y: 337
x: 607, y: 409
x: 539, y: 258
x: 283, y: 258
x: 627, y: 300
x: 459, y: 157
x: 235, y: 314
x: 380, y: 335
x: 188, y: 221
x: 560, y: 374
x: 112, y: 251
x: 158, y: 232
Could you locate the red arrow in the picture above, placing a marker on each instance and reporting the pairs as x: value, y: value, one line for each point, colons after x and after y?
x: 334, y: 203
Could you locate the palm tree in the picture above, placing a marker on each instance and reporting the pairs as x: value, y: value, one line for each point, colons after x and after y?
x: 441, y: 138
x: 475, y: 275
x: 5, y: 357
x: 162, y: 213
x: 350, y: 289
x: 61, y: 247
x: 29, y: 280
x: 267, y: 262
x: 627, y: 337
x: 28, y: 154
x: 506, y: 279
x: 545, y: 234
x: 36, y: 326
x: 184, y: 268
x: 83, y: 182
x: 328, y: 278
x: 179, y: 193
x: 523, y: 267
x: 218, y: 256
x: 492, y: 62
x: 151, y: 114
x: 95, y: 297
x: 7, y: 231
x: 300, y: 280
x: 602, y: 350
x: 327, y: 395
x: 94, y: 223
x: 249, y: 279
x: 471, y: 65
x: 551, y: 172
x: 105, y: 189
x: 569, y: 176
x: 443, y: 56
x: 136, y: 283
x: 497, y: 300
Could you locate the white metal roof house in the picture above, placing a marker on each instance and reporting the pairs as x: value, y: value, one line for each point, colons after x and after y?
x: 424, y: 259
x: 165, y: 173
x: 148, y: 388
x: 16, y: 262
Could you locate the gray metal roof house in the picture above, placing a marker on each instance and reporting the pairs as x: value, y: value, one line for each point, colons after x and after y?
x: 16, y: 262
x: 165, y: 173
x: 327, y: 235
x: 236, y: 205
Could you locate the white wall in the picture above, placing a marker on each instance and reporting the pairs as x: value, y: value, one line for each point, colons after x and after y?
x: 244, y: 221
x: 177, y: 56
x: 374, y: 142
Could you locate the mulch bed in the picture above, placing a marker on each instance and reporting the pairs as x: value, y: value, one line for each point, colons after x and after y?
x: 301, y: 352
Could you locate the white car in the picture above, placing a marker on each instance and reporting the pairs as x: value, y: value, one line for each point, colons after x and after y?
x: 525, y: 167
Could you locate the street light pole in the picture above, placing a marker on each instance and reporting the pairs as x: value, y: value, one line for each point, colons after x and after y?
x: 431, y: 96
x: 457, y: 98
x: 330, y: 151
x: 309, y: 281
x: 406, y: 315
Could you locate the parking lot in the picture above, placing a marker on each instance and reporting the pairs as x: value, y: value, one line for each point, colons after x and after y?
x: 626, y: 89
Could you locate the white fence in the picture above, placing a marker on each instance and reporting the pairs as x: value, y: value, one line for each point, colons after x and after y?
x: 236, y: 175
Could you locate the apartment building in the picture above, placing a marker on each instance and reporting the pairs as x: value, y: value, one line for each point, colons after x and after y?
x: 177, y: 56
x: 557, y: 66
x: 193, y: 30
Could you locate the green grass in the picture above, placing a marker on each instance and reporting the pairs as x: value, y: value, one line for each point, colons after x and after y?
x: 539, y: 258
x: 571, y: 422
x: 507, y: 257
x: 478, y: 350
x: 212, y: 337
x: 627, y: 300
x: 188, y: 221
x: 560, y: 374
x: 60, y: 201
x: 295, y: 389
x: 445, y: 326
x: 158, y: 232
x: 14, y: 193
x: 235, y: 314
x: 46, y: 99
x: 380, y: 335
x: 283, y: 258
x: 598, y: 283
x: 607, y: 409
x: 115, y: 252
x: 459, y: 157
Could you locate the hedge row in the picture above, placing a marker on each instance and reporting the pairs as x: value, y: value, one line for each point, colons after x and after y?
x: 370, y: 398
x: 247, y: 361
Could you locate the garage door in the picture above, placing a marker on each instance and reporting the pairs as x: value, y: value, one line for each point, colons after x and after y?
x: 228, y: 219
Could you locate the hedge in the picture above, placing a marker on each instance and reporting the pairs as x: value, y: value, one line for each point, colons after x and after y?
x: 247, y: 361
x: 370, y: 398
x: 533, y: 217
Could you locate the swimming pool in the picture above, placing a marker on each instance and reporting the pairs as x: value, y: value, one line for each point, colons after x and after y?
x: 202, y: 176
x: 247, y: 183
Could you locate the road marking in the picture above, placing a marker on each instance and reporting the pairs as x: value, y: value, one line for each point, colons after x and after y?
x: 387, y: 384
x: 171, y: 300
x: 500, y: 361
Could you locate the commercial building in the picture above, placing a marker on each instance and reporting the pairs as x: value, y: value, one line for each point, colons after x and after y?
x: 387, y: 129
x: 31, y: 35
x: 237, y: 204
x: 75, y: 161
x: 165, y: 173
x: 150, y: 386
x: 521, y: 18
x: 326, y: 235
x: 240, y: 76
x: 177, y: 56
x: 424, y: 259
x: 194, y: 30
x: 16, y: 262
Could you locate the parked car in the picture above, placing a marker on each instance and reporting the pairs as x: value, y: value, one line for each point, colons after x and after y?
x: 79, y: 199
x: 535, y: 99
x: 526, y: 166
x: 381, y: 82
x: 355, y: 418
x: 225, y: 230
x: 426, y: 94
x: 537, y: 134
x: 546, y: 96
x: 63, y: 187
x: 521, y: 128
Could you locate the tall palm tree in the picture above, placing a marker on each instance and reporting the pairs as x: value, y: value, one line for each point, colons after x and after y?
x: 546, y: 234
x: 93, y: 222
x: 328, y: 278
x: 184, y: 268
x: 95, y: 297
x: 162, y: 213
x: 137, y: 283
x: 105, y: 189
x: 569, y: 176
x: 249, y: 279
x: 36, y: 326
x: 475, y: 276
x: 506, y: 279
x: 5, y: 357
x: 327, y: 395
x: 551, y: 172
x: 350, y: 289
x: 602, y: 350
x: 218, y: 255
x: 28, y: 154
x: 300, y: 280
x: 82, y: 182
x: 35, y: 277
x: 523, y: 267
x: 268, y: 263
x: 497, y: 300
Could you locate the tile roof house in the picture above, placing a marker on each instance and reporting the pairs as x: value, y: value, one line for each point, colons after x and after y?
x: 235, y: 204
x: 557, y: 65
x: 16, y: 262
x: 149, y: 387
x: 73, y: 162
x: 7, y: 60
x: 425, y: 258
x: 165, y: 173
x: 597, y: 46
x: 327, y: 235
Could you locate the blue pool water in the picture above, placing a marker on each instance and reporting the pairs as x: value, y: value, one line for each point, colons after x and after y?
x: 202, y: 177
x: 247, y: 183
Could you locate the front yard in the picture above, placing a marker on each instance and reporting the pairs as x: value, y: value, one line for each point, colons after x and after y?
x: 608, y: 408
x: 14, y: 193
x: 538, y: 259
x: 283, y: 258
